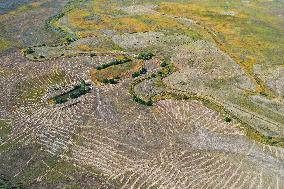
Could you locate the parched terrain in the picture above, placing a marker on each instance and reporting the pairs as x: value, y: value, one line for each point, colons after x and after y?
x: 149, y: 94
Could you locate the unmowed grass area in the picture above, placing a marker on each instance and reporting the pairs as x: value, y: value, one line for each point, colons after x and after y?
x: 250, y: 35
x: 5, y: 44
x: 31, y: 90
x: 99, y: 16
x: 5, y: 129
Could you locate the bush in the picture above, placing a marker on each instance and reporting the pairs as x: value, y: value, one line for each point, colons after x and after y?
x: 166, y: 62
x: 227, y: 119
x: 120, y: 61
x: 112, y: 81
x: 143, y: 71
x: 140, y: 101
x: 140, y: 72
x: 115, y: 62
x: 109, y: 81
x: 145, y: 55
x: 263, y: 93
x: 135, y: 74
x: 59, y: 100
x: 163, y: 64
x: 29, y: 50
x: 70, y: 39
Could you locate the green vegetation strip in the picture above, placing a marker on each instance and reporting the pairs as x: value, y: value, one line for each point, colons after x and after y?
x: 139, y: 73
x: 145, y: 56
x: 115, y: 62
x: 51, y: 22
x: 76, y: 92
x: 110, y: 81
x: 167, y: 69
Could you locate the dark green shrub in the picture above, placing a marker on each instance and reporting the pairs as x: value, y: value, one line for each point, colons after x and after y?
x: 227, y: 119
x: 135, y: 74
x: 112, y: 81
x: 109, y: 81
x: 70, y: 39
x: 143, y: 71
x: 263, y: 93
x: 76, y: 92
x: 140, y: 72
x: 163, y: 64
x: 140, y: 101
x: 29, y: 50
x: 115, y: 62
x: 145, y: 55
x: 59, y: 100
